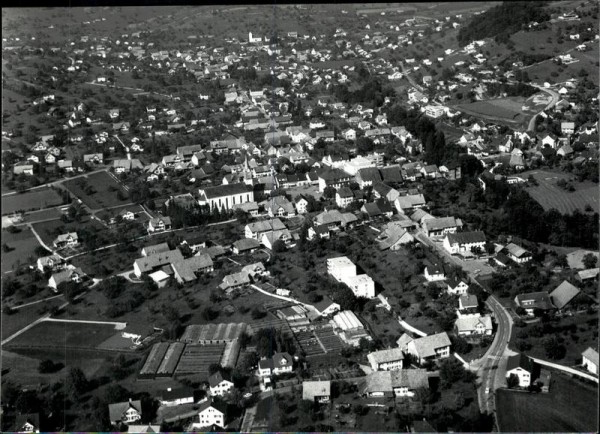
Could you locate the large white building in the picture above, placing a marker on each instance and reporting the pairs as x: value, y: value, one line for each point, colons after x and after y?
x: 226, y: 196
x: 343, y: 270
x: 349, y: 328
x: 463, y: 242
x: 521, y: 366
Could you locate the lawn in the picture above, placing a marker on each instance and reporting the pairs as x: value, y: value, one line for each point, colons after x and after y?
x: 550, y: 195
x: 570, y: 406
x: 493, y: 109
x: 97, y: 191
x: 49, y: 230
x: 23, y: 317
x: 22, y: 249
x: 31, y: 200
x: 62, y: 334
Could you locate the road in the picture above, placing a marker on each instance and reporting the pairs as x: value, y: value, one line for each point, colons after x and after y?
x: 410, y: 79
x: 555, y: 96
x: 491, y: 367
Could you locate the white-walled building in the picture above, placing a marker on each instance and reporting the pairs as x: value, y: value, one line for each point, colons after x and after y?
x: 521, y: 366
x: 462, y: 242
x: 590, y: 360
x: 343, y: 270
x: 225, y: 196
x: 386, y: 360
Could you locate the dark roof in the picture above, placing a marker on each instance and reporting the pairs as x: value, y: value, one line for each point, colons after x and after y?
x: 216, y: 379
x: 519, y: 360
x: 391, y: 174
x: 369, y: 174
x: 466, y: 237
x: 333, y: 174
x: 541, y: 300
x: 225, y: 190
x: 181, y: 392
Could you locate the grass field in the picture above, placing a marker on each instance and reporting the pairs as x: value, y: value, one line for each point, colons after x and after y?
x: 60, y: 335
x: 31, y: 200
x: 23, y: 245
x: 549, y: 195
x: 500, y: 109
x: 103, y: 192
x: 570, y: 406
x: 22, y: 317
x: 49, y: 230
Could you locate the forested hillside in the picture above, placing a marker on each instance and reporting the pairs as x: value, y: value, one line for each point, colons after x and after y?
x: 503, y: 20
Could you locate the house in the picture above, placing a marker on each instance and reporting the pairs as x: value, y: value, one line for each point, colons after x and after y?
x: 441, y: 226
x: 150, y: 263
x: 549, y: 139
x: 335, y: 219
x: 430, y: 347
x: 468, y: 306
x: 316, y: 391
x: 209, y: 414
x: 521, y: 366
x: 245, y: 245
x: 225, y: 196
x: 179, y: 396
x: 280, y: 363
x: 186, y: 270
x: 517, y: 253
x: 366, y: 177
x: 280, y: 206
x: 344, y: 197
x: 590, y: 360
x: 407, y: 204
x: 457, y: 286
x: 434, y: 271
x: 234, y: 281
x: 533, y: 301
x: 386, y: 360
x: 563, y: 294
x: 567, y: 127
x: 66, y: 240
x: 219, y: 385
x: 474, y: 325
x: 589, y: 274
x: 268, y: 239
x: 159, y: 224
x: 394, y: 236
x: 255, y: 230
x: 326, y: 307
x: 125, y: 412
x: 301, y: 203
x: 398, y: 383
x: 464, y: 242
x: 155, y: 249
x: 27, y: 423
x: 332, y: 177
x: 52, y: 262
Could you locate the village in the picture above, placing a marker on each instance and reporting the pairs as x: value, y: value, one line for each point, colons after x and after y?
x: 376, y: 228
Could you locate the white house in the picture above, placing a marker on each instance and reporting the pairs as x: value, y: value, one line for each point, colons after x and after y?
x: 462, y: 242
x: 316, y: 391
x: 179, y: 396
x: 434, y: 272
x: 521, y: 366
x: 518, y: 253
x: 218, y: 385
x: 343, y: 270
x: 208, y: 415
x: 386, y: 360
x: 125, y: 412
x: 66, y: 240
x: 430, y: 347
x: 474, y: 325
x: 457, y: 287
x: 159, y: 224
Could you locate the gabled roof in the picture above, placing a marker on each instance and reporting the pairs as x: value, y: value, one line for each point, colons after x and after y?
x: 440, y: 223
x: 541, y: 300
x: 225, y: 190
x: 117, y: 410
x: 466, y: 237
x: 470, y: 323
x: 519, y: 361
x: 384, y: 356
x: 410, y: 378
x: 217, y: 378
x: 427, y: 345
x: 563, y: 294
x: 516, y: 250
x: 591, y: 354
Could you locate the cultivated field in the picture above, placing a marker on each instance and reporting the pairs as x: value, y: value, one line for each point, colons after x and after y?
x: 22, y: 247
x: 549, y: 195
x: 97, y: 191
x: 63, y: 334
x: 570, y: 406
x: 31, y: 200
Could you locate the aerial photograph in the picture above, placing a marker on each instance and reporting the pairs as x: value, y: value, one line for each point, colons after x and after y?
x: 285, y: 217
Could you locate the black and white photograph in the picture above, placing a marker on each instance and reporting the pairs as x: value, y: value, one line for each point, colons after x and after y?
x: 288, y: 217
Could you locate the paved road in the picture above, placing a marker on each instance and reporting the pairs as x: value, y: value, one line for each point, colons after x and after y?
x: 36, y: 302
x: 555, y: 96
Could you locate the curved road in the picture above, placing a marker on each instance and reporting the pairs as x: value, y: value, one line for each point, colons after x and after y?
x: 554, y: 95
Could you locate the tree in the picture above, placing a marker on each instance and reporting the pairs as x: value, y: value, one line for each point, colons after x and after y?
x: 47, y: 366
x: 329, y: 192
x: 590, y: 260
x: 279, y: 246
x: 76, y: 384
x: 554, y: 348
x: 512, y: 381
